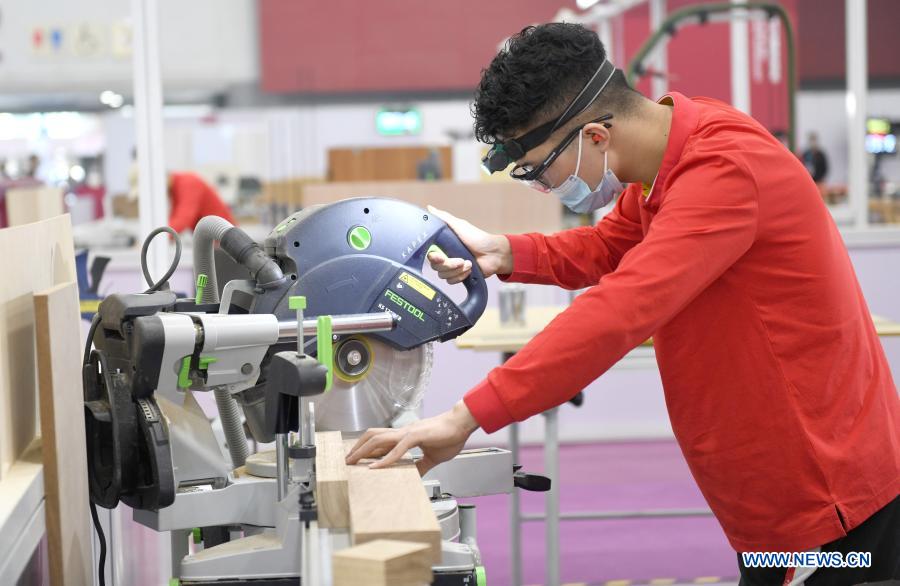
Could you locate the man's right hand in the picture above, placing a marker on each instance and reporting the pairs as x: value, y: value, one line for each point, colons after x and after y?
x: 491, y: 251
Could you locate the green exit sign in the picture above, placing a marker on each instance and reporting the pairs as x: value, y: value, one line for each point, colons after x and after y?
x: 390, y: 122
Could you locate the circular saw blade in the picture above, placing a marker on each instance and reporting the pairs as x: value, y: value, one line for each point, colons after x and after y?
x: 395, y: 382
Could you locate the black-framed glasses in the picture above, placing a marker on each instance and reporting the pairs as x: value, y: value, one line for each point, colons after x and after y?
x: 533, y: 175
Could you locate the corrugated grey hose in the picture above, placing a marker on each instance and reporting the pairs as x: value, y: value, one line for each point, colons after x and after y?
x: 209, y: 230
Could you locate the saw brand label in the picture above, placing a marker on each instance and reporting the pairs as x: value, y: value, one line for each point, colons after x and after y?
x: 409, y: 307
x: 418, y: 285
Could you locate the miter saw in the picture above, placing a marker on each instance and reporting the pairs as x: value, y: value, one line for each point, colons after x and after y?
x: 331, y: 330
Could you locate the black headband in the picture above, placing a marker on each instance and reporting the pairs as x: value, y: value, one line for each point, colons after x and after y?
x: 503, y: 153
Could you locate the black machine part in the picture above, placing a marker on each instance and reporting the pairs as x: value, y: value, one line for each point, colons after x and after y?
x: 128, y: 447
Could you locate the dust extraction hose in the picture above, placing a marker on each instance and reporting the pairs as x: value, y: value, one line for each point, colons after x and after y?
x: 244, y: 250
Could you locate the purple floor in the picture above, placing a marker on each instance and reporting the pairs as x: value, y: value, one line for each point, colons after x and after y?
x: 609, y: 477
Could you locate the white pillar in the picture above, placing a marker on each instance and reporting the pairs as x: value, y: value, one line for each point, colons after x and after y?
x: 659, y: 85
x: 740, y: 59
x: 857, y: 89
x: 152, y: 188
x: 604, y: 31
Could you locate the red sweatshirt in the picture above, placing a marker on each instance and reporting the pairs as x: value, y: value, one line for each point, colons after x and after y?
x: 193, y: 198
x: 776, y: 384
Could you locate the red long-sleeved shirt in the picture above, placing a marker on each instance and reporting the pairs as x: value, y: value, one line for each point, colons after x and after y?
x: 776, y: 384
x: 192, y: 199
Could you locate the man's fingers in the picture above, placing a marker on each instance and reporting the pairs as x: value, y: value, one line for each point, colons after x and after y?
x: 378, y: 444
x: 404, y: 445
x: 357, y: 452
x: 436, y: 259
x: 460, y: 277
x: 449, y: 264
x: 463, y: 267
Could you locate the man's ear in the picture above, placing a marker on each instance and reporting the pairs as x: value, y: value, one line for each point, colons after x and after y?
x: 597, y: 133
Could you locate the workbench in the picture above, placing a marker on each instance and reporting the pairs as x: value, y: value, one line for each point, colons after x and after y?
x: 489, y: 335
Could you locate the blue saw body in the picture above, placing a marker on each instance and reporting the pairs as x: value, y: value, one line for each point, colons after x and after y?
x: 365, y: 255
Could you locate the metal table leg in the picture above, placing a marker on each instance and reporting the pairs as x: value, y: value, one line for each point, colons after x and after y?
x: 515, y: 513
x: 551, y: 469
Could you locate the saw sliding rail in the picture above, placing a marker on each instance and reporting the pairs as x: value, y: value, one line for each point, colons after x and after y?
x: 356, y: 323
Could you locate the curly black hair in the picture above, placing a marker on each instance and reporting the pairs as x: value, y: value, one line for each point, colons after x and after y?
x: 536, y: 74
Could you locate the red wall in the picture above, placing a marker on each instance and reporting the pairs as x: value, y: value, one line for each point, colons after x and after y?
x: 822, y: 51
x: 396, y: 46
x: 340, y: 46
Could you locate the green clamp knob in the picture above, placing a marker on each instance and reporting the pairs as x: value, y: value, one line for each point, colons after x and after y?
x: 480, y: 576
x: 325, y: 352
x: 202, y: 280
x: 184, y: 373
x: 197, y: 534
x: 297, y: 302
x: 205, y: 361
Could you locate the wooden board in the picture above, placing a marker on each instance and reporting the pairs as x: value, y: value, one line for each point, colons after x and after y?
x: 25, y: 205
x: 58, y: 328
x: 391, y: 503
x: 504, y: 208
x: 384, y: 163
x: 382, y: 562
x: 332, y: 495
x: 35, y: 257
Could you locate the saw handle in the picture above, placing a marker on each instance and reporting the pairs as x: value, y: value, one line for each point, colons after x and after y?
x: 476, y: 287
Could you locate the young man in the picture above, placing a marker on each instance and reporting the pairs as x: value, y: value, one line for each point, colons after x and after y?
x: 776, y: 384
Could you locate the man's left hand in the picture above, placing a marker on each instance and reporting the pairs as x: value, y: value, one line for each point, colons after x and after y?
x: 441, y: 438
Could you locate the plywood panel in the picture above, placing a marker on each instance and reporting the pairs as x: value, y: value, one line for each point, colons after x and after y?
x: 58, y: 330
x: 501, y: 207
x: 25, y: 205
x: 391, y: 503
x: 34, y: 257
x: 331, y: 481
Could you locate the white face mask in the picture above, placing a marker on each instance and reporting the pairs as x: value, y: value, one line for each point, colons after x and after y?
x: 575, y: 194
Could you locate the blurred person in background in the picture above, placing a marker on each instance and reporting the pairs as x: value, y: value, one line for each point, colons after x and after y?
x: 31, y: 169
x: 816, y: 162
x: 191, y: 198
x: 429, y: 168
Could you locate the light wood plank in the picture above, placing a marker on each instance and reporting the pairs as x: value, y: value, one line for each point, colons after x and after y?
x: 34, y: 257
x: 332, y: 496
x: 382, y: 562
x: 391, y: 503
x: 25, y: 205
x: 58, y: 329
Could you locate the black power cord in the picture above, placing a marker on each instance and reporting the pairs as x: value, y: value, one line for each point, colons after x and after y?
x: 157, y: 286
x: 95, y: 323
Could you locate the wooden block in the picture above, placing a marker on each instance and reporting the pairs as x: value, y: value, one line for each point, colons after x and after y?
x: 58, y: 329
x: 33, y: 204
x: 331, y: 481
x: 383, y: 562
x: 391, y: 503
x: 35, y: 257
